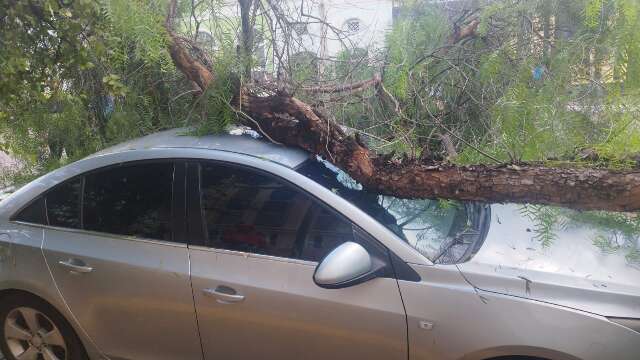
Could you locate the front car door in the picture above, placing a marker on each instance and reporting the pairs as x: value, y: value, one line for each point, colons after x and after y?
x: 120, y: 261
x: 260, y: 240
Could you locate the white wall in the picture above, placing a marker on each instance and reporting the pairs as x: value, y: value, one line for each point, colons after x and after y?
x: 375, y: 17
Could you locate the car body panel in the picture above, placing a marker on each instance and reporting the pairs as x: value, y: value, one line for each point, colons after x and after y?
x: 284, y: 315
x: 137, y: 301
x: 28, y: 192
x: 570, y: 271
x: 472, y: 324
x: 23, y: 268
x: 504, y: 301
x: 241, y: 143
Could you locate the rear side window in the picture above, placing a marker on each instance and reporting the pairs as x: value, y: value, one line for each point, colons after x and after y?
x: 59, y: 207
x: 34, y: 213
x: 63, y: 204
x: 132, y: 200
x: 248, y: 211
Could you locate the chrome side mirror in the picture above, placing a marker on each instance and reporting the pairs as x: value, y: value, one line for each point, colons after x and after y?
x: 348, y: 264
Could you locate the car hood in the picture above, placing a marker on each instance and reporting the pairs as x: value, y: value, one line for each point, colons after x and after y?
x: 559, y: 256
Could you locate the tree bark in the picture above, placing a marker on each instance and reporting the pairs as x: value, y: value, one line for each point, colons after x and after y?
x: 356, y: 86
x: 294, y: 123
x: 247, y: 38
x: 289, y: 121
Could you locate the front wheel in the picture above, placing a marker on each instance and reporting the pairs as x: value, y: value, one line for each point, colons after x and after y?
x: 31, y: 329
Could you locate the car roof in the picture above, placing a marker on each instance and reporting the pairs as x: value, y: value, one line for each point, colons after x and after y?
x: 237, y: 140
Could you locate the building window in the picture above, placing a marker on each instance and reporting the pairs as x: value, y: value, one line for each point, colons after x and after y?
x: 300, y: 29
x: 205, y: 40
x: 352, y: 25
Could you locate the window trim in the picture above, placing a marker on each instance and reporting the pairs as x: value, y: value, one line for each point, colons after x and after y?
x: 253, y: 255
x: 179, y: 203
x: 103, y: 234
x: 172, y: 161
x: 46, y: 213
x: 373, y: 242
x: 83, y: 181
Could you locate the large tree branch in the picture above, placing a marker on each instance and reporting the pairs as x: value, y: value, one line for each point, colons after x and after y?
x: 356, y: 86
x: 193, y: 69
x: 292, y: 122
x: 467, y: 31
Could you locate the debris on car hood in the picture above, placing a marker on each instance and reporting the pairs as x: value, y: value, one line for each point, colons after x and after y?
x: 583, y: 260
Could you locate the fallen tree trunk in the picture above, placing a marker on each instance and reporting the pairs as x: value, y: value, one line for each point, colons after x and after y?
x: 292, y: 122
x: 289, y: 121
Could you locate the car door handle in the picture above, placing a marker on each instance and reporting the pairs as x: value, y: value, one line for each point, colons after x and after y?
x: 224, y: 294
x: 75, y: 265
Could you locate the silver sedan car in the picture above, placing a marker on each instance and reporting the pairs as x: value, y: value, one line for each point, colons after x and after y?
x: 229, y: 247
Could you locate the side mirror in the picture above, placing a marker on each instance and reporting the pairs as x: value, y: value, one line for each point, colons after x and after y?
x: 347, y: 265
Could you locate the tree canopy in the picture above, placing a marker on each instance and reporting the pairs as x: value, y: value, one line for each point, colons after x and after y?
x: 470, y: 101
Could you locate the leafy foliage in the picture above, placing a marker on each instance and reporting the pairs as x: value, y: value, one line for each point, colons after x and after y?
x: 614, y: 232
x: 546, y: 219
x: 82, y: 75
x: 541, y: 80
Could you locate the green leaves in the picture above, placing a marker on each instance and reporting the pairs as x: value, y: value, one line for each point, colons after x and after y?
x: 83, y: 74
x: 547, y: 220
x: 593, y: 13
x: 137, y: 30
x: 80, y: 75
x: 113, y: 85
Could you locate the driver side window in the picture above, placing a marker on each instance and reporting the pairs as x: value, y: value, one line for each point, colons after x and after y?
x: 246, y: 210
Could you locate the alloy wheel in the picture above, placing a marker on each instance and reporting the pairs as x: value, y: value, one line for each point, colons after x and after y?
x: 31, y: 335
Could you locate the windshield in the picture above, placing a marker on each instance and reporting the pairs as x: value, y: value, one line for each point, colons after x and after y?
x: 446, y: 232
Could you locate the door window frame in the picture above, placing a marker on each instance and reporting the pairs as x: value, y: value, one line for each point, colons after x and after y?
x: 196, y: 219
x: 178, y: 203
x: 182, y: 225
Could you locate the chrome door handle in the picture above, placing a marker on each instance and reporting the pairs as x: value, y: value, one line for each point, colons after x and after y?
x: 76, y: 265
x: 224, y: 294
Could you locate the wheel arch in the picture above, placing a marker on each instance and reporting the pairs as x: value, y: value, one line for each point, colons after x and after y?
x: 6, y: 292
x: 517, y: 357
x: 49, y: 296
x: 517, y: 352
x: 89, y: 347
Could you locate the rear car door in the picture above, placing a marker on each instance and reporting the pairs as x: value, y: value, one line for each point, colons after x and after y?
x: 117, y: 252
x: 259, y: 241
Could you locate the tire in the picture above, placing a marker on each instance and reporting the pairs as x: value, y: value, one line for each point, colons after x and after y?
x: 517, y: 357
x: 20, y: 314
